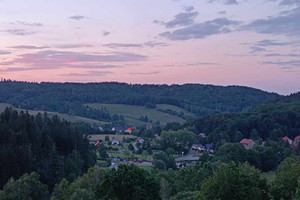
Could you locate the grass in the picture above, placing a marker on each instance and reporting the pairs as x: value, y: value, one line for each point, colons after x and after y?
x: 62, y: 116
x: 133, y: 113
x: 175, y: 108
x: 102, y: 163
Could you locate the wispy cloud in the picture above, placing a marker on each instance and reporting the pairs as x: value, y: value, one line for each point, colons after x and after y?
x: 295, y: 63
x: 257, y: 49
x: 136, y: 45
x: 272, y: 43
x: 202, y: 30
x: 89, y: 73
x: 71, y: 46
x: 227, y: 2
x: 288, y: 2
x: 78, y: 17
x: 181, y: 19
x: 105, y: 33
x: 18, y: 32
x: 63, y: 59
x: 222, y: 12
x: 122, y: 45
x: 36, y: 24
x: 282, y: 55
x: 145, y: 73
x: 28, y: 47
x: 201, y: 64
x: 287, y: 23
x: 4, y: 52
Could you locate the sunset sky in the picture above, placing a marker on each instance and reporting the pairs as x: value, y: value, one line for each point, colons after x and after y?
x: 252, y: 43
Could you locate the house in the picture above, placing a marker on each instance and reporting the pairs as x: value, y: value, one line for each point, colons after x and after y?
x: 210, y: 148
x: 202, y: 135
x: 135, y: 147
x: 117, y: 129
x: 98, y: 143
x: 115, y: 141
x: 198, y: 147
x: 247, y: 143
x: 297, y: 139
x: 287, y: 139
x: 129, y: 130
x: 140, y: 140
x: 100, y: 129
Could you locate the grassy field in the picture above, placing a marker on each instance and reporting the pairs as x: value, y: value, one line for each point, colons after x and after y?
x: 102, y: 137
x: 133, y: 113
x: 62, y: 116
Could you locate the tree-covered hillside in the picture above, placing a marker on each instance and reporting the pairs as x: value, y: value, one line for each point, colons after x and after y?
x: 49, y: 146
x: 275, y: 119
x: 70, y: 97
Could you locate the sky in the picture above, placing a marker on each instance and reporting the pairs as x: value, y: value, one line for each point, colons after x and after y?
x: 253, y: 43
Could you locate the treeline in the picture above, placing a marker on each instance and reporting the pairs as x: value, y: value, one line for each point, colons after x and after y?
x: 200, y: 182
x: 272, y: 120
x: 70, y: 97
x: 49, y: 146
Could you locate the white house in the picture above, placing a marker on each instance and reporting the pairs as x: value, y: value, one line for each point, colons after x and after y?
x: 115, y: 141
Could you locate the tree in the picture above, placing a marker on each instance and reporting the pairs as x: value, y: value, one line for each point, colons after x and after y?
x: 129, y: 182
x: 27, y: 187
x: 191, y: 178
x: 130, y: 147
x: 82, y: 194
x: 145, y: 154
x: 106, y: 138
x: 231, y: 152
x: 286, y: 179
x: 73, y: 166
x: 169, y: 161
x: 83, y: 187
x: 159, y: 164
x: 102, y: 152
x: 61, y: 191
x: 275, y: 134
x: 235, y: 182
x: 55, y: 169
x: 186, y: 195
x: 181, y: 141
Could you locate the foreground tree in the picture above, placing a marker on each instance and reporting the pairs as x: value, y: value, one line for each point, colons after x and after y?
x: 83, y: 188
x: 28, y: 187
x: 286, y: 180
x: 128, y: 183
x: 235, y: 182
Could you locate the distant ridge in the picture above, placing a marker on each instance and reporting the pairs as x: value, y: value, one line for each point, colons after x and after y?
x: 70, y: 98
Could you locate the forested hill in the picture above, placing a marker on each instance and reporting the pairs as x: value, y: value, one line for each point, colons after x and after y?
x: 272, y: 120
x: 53, y: 148
x: 70, y: 97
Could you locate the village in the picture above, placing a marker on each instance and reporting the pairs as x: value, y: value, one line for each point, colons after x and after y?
x: 125, y: 148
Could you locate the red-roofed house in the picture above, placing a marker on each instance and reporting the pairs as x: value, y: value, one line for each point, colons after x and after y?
x: 247, y: 143
x: 287, y: 139
x: 297, y: 140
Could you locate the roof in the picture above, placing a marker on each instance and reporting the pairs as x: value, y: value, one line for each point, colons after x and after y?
x: 246, y: 141
x: 297, y: 138
x: 286, y: 138
x: 118, y: 128
x: 209, y: 146
x: 187, y: 158
x: 198, y: 145
x: 115, y: 139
